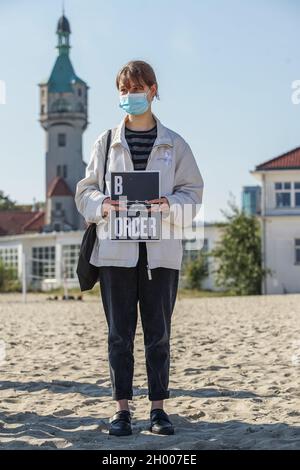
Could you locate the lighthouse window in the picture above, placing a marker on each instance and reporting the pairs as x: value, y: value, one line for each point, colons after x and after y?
x: 62, y: 140
x: 61, y: 170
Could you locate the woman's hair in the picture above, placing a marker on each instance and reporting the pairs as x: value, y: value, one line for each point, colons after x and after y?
x: 138, y: 71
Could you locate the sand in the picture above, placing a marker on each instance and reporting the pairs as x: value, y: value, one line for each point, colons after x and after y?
x: 234, y: 379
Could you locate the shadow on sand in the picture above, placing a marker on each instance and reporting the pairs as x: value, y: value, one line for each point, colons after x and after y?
x: 29, y: 430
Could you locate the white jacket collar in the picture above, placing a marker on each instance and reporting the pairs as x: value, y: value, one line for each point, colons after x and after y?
x: 163, y: 135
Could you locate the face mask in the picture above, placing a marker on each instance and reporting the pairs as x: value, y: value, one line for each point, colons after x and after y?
x: 134, y: 103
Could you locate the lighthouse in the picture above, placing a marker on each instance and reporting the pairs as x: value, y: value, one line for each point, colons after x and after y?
x: 64, y: 117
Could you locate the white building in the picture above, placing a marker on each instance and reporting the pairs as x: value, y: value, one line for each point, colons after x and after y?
x: 280, y: 221
x: 50, y: 259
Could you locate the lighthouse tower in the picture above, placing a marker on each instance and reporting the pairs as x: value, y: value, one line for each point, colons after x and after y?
x: 63, y: 115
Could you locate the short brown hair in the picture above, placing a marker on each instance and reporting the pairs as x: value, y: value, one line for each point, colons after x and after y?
x: 137, y: 71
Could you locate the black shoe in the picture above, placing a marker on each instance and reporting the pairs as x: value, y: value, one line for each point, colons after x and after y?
x: 120, y: 424
x: 160, y: 422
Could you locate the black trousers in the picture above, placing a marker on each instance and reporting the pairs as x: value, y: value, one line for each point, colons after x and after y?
x: 121, y: 290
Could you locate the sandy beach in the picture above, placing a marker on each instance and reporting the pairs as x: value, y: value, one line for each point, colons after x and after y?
x: 234, y: 379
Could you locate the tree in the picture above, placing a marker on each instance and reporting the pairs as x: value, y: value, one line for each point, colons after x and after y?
x: 238, y: 254
x: 6, y: 203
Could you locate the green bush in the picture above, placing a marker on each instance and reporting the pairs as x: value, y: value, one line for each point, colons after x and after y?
x: 8, y: 278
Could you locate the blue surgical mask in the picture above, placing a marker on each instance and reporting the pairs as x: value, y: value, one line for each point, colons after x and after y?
x: 134, y: 103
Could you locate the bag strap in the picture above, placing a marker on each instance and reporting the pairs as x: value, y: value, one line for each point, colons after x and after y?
x: 108, y: 140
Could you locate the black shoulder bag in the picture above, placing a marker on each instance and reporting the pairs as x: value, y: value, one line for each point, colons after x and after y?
x: 87, y: 273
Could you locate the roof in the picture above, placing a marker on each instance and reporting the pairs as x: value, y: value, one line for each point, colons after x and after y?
x: 17, y: 222
x: 63, y: 25
x: 63, y: 76
x: 287, y: 161
x: 59, y: 187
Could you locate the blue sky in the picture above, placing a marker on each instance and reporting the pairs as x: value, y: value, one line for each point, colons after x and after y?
x: 224, y: 69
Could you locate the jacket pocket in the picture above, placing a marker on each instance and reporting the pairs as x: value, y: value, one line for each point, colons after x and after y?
x: 116, y: 251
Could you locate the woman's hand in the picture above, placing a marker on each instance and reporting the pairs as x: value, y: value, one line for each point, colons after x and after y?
x: 109, y: 204
x: 162, y: 205
x: 157, y: 205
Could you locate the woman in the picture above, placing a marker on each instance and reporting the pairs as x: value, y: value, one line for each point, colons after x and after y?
x: 144, y: 272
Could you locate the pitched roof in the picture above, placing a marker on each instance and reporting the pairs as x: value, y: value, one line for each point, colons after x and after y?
x: 59, y: 187
x: 287, y: 161
x: 36, y: 223
x: 63, y: 76
x: 18, y: 222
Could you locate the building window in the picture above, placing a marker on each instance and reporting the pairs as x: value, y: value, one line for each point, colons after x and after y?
x: 10, y: 258
x: 287, y: 194
x: 283, y: 199
x: 70, y: 254
x: 43, y: 262
x: 283, y: 194
x: 297, y: 193
x: 282, y: 186
x: 79, y: 92
x: 61, y: 170
x: 297, y: 250
x: 58, y: 206
x: 42, y: 109
x: 61, y: 140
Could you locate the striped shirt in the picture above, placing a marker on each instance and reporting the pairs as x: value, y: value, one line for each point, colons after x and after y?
x: 140, y: 144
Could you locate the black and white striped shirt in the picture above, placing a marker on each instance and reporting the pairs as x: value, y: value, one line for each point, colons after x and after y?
x: 140, y: 144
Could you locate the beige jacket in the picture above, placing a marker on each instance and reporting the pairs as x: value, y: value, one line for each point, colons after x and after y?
x: 180, y: 181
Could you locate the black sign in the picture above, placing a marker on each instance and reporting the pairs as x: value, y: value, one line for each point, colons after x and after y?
x: 136, y: 222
